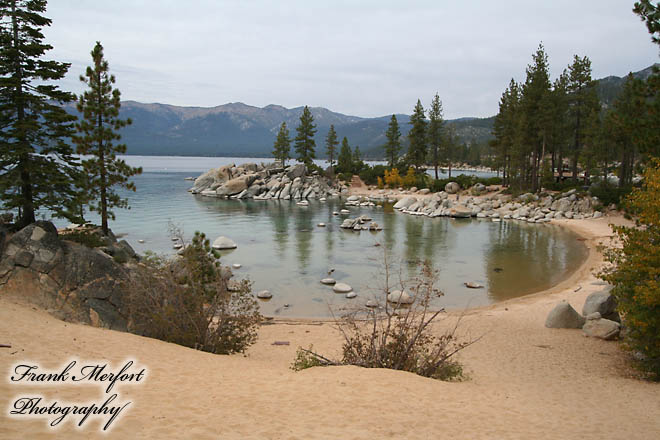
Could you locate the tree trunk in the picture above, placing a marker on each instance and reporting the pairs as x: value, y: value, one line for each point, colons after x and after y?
x: 26, y: 213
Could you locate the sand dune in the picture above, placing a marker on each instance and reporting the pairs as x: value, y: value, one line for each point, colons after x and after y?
x: 524, y: 381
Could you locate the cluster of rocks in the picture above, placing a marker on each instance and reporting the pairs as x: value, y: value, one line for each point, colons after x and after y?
x: 265, y: 182
x: 362, y: 223
x: 527, y: 207
x: 339, y: 287
x: 599, y: 318
x: 359, y: 201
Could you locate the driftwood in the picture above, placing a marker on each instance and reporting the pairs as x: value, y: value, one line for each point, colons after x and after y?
x: 5, y: 346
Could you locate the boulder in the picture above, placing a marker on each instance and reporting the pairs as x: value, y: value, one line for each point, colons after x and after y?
x: 399, y: 297
x: 601, y: 302
x: 236, y: 186
x: 223, y: 242
x: 460, y: 211
x: 564, y: 316
x: 298, y: 170
x: 351, y: 295
x: 424, y: 191
x: 602, y: 329
x: 342, y: 288
x: 405, y: 202
x: 452, y: 188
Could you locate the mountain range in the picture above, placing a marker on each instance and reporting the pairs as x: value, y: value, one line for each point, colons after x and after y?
x: 238, y: 129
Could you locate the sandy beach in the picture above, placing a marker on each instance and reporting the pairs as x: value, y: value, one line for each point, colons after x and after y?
x: 524, y: 381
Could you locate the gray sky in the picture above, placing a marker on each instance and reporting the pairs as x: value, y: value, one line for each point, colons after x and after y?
x: 364, y: 58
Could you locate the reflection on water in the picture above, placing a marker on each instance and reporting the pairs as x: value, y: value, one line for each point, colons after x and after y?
x: 282, y: 249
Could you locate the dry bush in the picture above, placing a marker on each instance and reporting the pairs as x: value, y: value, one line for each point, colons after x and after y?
x: 186, y: 300
x: 399, y: 337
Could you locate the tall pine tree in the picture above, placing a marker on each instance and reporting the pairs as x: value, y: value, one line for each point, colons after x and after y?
x: 331, y: 143
x: 582, y: 103
x: 282, y: 146
x: 417, y: 136
x: 304, y: 142
x: 435, y: 132
x: 37, y: 166
x: 393, y: 145
x: 97, y: 136
x: 345, y: 159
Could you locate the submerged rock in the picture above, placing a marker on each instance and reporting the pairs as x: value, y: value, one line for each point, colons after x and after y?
x: 223, y: 242
x: 328, y: 281
x: 342, y: 288
x: 264, y: 294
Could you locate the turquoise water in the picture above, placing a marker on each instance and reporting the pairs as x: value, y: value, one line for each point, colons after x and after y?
x: 281, y: 248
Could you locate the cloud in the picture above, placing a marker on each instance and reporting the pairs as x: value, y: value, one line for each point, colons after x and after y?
x: 368, y: 58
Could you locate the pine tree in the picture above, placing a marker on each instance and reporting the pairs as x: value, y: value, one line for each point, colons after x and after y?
x: 282, y: 146
x: 435, y: 132
x: 417, y: 137
x: 357, y: 160
x: 582, y: 102
x: 345, y: 158
x: 331, y: 143
x: 393, y: 145
x: 37, y: 166
x: 304, y: 141
x: 97, y: 136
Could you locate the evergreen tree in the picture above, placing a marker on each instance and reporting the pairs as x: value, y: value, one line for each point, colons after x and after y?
x: 37, y: 166
x: 417, y: 136
x: 331, y: 143
x: 435, y: 132
x: 304, y: 141
x: 357, y: 160
x: 97, y: 136
x: 393, y: 145
x: 282, y: 146
x: 582, y: 102
x: 345, y: 158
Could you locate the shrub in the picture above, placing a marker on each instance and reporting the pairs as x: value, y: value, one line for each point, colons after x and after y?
x: 370, y: 175
x: 410, y: 179
x: 608, y: 194
x: 397, y: 337
x: 636, y: 272
x: 392, y: 178
x: 345, y: 177
x: 187, y: 301
x: 380, y: 183
x: 90, y: 237
x: 307, y: 359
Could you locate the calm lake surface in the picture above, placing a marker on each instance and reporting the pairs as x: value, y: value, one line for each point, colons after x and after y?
x: 282, y: 249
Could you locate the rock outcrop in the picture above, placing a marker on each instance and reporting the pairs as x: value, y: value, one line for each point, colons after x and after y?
x: 265, y: 182
x: 72, y: 281
x: 529, y: 207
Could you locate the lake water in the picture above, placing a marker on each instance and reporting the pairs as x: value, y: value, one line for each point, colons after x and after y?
x: 282, y: 249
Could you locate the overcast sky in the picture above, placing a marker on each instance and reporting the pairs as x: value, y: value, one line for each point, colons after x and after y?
x: 364, y: 58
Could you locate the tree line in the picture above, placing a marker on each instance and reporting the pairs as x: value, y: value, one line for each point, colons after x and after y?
x: 546, y: 131
x: 40, y: 143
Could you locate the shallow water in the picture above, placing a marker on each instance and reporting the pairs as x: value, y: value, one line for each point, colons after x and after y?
x: 282, y: 249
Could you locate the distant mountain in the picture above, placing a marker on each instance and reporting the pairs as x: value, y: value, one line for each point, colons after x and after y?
x: 238, y: 129
x: 610, y: 87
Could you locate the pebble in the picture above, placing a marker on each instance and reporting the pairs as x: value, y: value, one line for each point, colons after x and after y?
x: 328, y: 281
x: 342, y: 288
x: 236, y: 266
x: 351, y: 295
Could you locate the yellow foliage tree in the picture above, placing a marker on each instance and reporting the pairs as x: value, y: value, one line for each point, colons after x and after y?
x: 636, y: 271
x: 392, y: 178
x: 410, y: 178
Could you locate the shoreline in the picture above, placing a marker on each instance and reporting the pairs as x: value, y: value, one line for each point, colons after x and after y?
x: 523, y: 380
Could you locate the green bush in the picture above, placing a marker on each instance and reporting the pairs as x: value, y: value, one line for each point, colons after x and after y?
x: 345, y: 177
x: 187, y: 301
x: 609, y: 194
x: 91, y: 238
x: 370, y: 175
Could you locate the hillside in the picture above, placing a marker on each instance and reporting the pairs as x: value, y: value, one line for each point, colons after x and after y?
x: 238, y: 129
